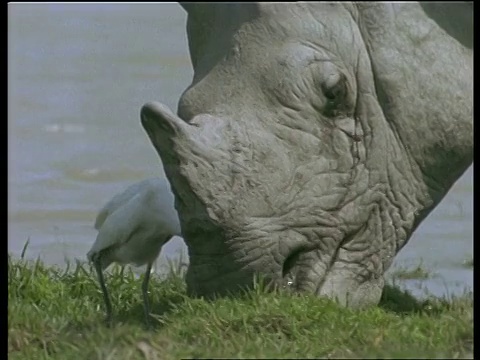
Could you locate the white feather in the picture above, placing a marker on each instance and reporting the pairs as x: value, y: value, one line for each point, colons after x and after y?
x: 135, y: 224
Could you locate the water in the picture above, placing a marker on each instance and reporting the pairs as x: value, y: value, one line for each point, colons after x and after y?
x: 78, y: 76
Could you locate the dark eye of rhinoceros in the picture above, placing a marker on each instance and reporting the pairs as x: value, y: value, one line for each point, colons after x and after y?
x: 335, y: 91
x: 335, y: 87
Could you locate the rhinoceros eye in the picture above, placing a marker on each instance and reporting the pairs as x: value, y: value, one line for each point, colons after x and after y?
x: 335, y: 91
x: 335, y: 87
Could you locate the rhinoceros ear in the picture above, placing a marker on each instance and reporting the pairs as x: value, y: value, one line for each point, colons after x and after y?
x: 423, y: 81
x: 456, y: 18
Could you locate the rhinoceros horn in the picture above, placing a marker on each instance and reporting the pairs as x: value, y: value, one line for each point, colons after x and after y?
x: 200, y: 16
x: 447, y: 15
x: 205, y: 19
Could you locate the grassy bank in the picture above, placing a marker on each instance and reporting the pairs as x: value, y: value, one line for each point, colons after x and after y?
x: 418, y: 272
x: 58, y: 314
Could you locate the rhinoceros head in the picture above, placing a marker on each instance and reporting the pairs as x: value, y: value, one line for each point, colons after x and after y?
x: 313, y: 139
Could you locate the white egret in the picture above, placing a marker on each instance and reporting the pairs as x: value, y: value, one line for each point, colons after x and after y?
x: 132, y: 228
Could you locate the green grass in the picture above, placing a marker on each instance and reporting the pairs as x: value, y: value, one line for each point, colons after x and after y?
x: 418, y: 272
x: 468, y: 263
x: 59, y: 314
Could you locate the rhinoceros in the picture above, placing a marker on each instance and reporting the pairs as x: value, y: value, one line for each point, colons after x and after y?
x: 314, y: 139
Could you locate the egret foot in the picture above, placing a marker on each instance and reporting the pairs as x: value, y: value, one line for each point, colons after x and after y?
x: 146, y: 302
x: 106, y: 298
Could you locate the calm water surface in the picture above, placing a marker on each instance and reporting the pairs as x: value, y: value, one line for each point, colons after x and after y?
x: 78, y: 76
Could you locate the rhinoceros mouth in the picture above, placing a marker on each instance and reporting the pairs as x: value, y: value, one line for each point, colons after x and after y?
x: 300, y: 269
x: 308, y: 268
x: 291, y: 261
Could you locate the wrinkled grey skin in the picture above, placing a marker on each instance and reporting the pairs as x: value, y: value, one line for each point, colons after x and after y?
x: 314, y: 139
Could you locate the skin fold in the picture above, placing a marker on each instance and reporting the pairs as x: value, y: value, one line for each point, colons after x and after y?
x: 313, y: 140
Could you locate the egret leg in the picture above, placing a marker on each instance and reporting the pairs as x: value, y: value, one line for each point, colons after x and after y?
x: 146, y: 303
x: 106, y: 298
